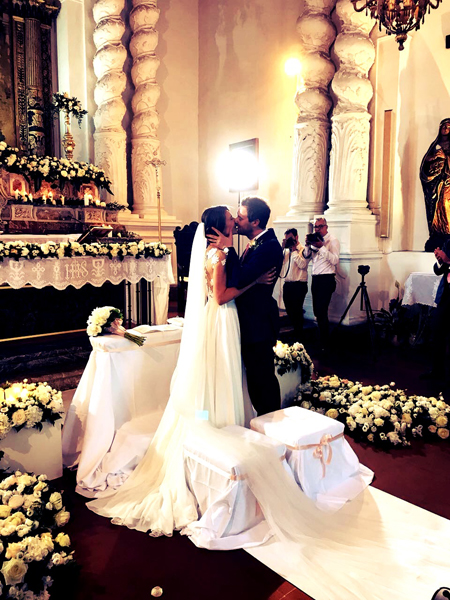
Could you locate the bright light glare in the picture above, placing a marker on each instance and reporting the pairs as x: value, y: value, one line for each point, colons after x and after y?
x: 292, y: 67
x: 243, y: 170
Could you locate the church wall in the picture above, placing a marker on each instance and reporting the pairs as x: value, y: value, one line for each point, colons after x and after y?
x: 415, y: 84
x: 244, y: 93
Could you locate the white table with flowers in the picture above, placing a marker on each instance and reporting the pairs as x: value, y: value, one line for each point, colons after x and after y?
x: 118, y: 405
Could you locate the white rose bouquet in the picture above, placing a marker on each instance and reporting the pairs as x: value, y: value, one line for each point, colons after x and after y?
x: 291, y: 358
x: 34, y: 558
x: 28, y: 405
x: 108, y: 319
x: 69, y: 105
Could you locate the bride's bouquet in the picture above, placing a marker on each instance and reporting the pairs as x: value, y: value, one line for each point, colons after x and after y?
x: 108, y: 319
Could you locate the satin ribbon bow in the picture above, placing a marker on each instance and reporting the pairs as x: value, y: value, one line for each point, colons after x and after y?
x: 323, y: 450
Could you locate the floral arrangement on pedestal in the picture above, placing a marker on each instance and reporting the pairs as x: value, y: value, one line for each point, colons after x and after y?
x: 141, y: 249
x: 50, y: 168
x: 28, y: 405
x: 34, y: 557
x: 381, y: 415
x: 108, y: 319
x: 69, y: 105
x: 290, y: 358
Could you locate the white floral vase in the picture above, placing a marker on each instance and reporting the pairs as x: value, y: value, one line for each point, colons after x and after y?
x: 288, y: 385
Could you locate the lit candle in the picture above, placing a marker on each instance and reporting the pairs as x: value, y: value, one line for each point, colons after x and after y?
x: 44, y: 198
x: 86, y: 200
x: 16, y: 194
x: 50, y: 197
x: 30, y: 197
x: 97, y: 202
x: 24, y: 197
x: 62, y: 199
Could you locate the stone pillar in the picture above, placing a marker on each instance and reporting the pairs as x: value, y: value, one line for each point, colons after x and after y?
x: 35, y: 99
x: 348, y: 215
x: 109, y: 136
x: 311, y: 134
x: 144, y: 127
x: 351, y: 119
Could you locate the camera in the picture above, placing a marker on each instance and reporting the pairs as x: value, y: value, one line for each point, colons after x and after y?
x: 363, y: 269
x: 312, y: 238
x: 290, y: 242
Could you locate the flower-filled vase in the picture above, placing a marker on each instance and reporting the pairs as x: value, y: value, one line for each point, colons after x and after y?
x: 68, y: 140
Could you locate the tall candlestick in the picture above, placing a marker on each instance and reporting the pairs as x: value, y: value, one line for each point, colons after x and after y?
x: 62, y: 199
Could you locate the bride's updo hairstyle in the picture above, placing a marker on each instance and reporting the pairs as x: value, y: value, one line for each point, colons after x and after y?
x: 215, y: 216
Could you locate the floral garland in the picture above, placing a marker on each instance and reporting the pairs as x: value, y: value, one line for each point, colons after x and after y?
x: 70, y: 105
x: 377, y: 414
x: 52, y: 168
x: 19, y: 249
x: 34, y: 559
x: 28, y: 405
x: 108, y: 319
x: 290, y: 358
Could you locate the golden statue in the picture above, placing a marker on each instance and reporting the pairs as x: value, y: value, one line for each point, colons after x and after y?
x: 435, y: 177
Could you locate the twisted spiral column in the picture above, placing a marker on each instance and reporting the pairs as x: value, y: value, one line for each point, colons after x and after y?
x: 309, y: 173
x: 144, y: 127
x: 110, y: 137
x: 350, y: 134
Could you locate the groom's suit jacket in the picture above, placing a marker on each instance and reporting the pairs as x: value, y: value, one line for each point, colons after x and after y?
x: 257, y: 309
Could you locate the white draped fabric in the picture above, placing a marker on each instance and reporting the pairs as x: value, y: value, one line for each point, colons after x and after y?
x: 421, y: 288
x: 118, y: 405
x: 77, y: 271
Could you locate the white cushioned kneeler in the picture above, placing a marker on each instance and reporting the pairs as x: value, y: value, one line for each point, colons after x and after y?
x: 230, y: 516
x: 322, y: 461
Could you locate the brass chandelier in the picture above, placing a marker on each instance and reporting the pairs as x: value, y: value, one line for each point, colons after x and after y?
x: 397, y: 16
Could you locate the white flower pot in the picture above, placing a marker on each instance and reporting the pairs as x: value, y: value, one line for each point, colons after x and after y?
x: 288, y: 385
x: 33, y: 451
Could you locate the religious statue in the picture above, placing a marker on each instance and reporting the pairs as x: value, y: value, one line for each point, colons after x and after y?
x: 435, y: 178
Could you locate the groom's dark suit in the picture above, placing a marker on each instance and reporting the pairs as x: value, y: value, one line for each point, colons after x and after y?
x: 258, y: 318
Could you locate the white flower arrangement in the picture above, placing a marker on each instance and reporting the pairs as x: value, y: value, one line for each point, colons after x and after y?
x: 290, y: 358
x: 108, y: 319
x: 18, y: 249
x: 68, y: 104
x: 380, y: 415
x: 28, y: 405
x: 33, y: 557
x: 52, y: 168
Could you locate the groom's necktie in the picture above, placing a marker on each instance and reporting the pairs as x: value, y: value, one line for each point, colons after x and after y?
x: 247, y: 248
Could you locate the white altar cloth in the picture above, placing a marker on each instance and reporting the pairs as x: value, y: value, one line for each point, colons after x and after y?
x: 77, y: 271
x: 421, y: 288
x: 118, y: 405
x: 33, y: 451
x: 230, y: 515
x: 322, y: 461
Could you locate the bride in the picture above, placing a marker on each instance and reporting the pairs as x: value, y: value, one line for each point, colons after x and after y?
x: 206, y: 387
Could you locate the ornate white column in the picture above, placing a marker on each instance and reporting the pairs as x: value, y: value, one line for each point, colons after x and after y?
x: 351, y: 120
x: 145, y: 142
x: 311, y: 134
x: 110, y: 137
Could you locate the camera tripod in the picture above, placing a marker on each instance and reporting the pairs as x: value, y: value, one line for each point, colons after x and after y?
x: 364, y: 305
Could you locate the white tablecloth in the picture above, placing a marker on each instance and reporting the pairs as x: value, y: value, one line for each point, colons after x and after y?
x: 77, y: 271
x: 421, y: 288
x: 118, y: 405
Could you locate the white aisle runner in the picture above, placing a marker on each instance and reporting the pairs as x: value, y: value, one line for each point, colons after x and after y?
x: 409, y: 557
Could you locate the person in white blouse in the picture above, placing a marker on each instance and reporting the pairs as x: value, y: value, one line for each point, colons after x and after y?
x: 294, y: 278
x: 324, y: 257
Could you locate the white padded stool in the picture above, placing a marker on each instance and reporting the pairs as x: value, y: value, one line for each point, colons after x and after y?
x: 322, y: 461
x: 230, y: 515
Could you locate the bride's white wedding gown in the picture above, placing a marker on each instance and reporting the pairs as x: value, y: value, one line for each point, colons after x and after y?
x: 207, y: 386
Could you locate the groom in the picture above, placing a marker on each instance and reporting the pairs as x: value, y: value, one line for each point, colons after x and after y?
x: 257, y: 309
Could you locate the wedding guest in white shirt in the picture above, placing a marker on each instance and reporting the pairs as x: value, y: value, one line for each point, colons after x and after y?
x: 294, y: 279
x: 324, y: 257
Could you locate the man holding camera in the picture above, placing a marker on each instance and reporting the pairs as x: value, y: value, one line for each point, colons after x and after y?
x: 323, y: 250
x: 294, y: 278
